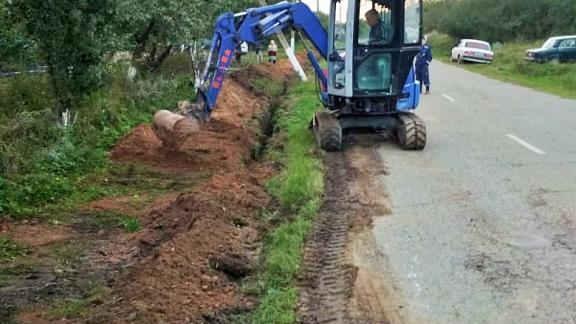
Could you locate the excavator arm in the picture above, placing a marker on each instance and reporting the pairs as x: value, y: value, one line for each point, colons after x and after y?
x: 252, y: 27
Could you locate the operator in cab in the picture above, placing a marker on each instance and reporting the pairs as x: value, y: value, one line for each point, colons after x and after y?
x: 380, y: 32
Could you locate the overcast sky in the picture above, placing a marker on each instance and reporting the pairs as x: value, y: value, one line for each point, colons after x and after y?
x: 324, y: 5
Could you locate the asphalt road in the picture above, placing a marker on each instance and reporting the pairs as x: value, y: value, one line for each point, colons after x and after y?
x: 483, y: 223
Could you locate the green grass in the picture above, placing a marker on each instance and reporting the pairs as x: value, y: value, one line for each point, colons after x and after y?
x: 70, y: 308
x: 298, y: 189
x: 75, y: 308
x: 10, y: 250
x: 130, y: 224
x: 510, y: 66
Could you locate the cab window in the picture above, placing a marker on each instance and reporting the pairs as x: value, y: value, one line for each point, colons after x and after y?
x: 340, y: 26
x: 375, y: 24
x: 412, y: 22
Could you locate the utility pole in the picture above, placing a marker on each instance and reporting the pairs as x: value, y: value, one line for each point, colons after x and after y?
x: 289, y: 51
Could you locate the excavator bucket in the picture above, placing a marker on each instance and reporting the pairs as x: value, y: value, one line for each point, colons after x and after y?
x: 173, y: 128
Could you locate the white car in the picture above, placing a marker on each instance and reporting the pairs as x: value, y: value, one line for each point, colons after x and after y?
x: 472, y: 50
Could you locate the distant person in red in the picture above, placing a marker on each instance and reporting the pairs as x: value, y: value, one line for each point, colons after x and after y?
x: 272, y: 52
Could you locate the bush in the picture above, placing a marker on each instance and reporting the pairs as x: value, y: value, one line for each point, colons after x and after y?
x: 496, y: 20
x: 42, y: 162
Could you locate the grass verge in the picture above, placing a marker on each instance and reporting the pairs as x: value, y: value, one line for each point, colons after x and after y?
x: 298, y: 189
x: 510, y: 66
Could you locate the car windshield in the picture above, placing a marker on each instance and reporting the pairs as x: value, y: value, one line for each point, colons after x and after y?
x: 549, y: 43
x: 478, y: 45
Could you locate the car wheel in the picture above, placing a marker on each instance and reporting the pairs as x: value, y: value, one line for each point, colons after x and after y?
x: 555, y: 60
x: 460, y: 61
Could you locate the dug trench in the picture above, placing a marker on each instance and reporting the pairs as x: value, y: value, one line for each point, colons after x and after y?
x: 196, y: 245
x: 344, y: 279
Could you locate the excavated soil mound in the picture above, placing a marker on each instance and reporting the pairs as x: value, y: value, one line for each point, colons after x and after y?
x: 191, y: 254
x: 187, y: 261
x: 221, y: 144
x: 276, y: 71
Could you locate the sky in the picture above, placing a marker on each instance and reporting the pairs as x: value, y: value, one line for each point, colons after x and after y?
x: 324, y: 5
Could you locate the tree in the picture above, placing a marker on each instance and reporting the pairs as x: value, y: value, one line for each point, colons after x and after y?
x: 153, y: 27
x: 72, y: 36
x: 15, y: 48
x: 497, y: 20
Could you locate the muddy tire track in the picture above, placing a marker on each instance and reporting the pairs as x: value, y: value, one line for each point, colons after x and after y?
x: 343, y: 278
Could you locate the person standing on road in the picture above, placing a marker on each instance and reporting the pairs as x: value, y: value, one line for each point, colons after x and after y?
x: 272, y: 52
x: 423, y: 60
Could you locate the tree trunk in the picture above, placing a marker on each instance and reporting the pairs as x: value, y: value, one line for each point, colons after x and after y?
x: 58, y: 76
x: 141, y: 39
x: 155, y: 67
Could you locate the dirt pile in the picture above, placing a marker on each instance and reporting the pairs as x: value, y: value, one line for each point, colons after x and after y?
x: 175, y: 242
x: 188, y: 259
x: 220, y: 145
x: 191, y: 254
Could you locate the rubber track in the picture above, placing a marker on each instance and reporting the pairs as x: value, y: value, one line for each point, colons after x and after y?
x: 414, y: 137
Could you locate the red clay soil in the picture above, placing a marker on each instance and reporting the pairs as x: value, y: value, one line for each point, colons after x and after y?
x: 277, y: 71
x: 192, y: 252
x: 35, y: 235
x: 220, y: 145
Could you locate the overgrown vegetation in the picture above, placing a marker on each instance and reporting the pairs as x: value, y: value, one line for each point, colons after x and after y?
x: 42, y: 162
x: 298, y: 189
x: 71, y: 37
x: 510, y: 66
x: 499, y: 21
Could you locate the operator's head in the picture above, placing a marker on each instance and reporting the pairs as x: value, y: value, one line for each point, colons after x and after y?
x: 372, y: 17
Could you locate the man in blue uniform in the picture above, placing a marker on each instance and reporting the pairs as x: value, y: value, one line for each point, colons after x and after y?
x: 423, y: 60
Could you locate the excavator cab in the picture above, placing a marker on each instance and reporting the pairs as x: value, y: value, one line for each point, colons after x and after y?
x: 371, y: 46
x: 370, y: 80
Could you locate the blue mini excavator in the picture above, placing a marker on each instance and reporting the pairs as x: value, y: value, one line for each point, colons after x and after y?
x: 369, y: 47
